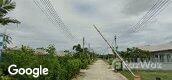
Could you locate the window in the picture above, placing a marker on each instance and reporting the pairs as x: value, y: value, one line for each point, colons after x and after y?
x: 161, y: 58
x: 156, y: 56
x: 168, y: 57
x: 0, y: 43
x: 1, y: 46
x: 1, y: 38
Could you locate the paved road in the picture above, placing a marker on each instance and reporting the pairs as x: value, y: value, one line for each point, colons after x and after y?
x: 99, y: 71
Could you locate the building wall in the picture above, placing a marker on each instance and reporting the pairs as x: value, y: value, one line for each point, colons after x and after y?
x: 159, y: 57
x: 162, y: 56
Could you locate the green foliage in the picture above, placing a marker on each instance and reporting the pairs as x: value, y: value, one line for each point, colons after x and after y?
x: 5, y: 7
x: 59, y: 67
x: 51, y: 49
x: 133, y: 53
x: 86, y: 56
x: 77, y: 48
x: 129, y: 54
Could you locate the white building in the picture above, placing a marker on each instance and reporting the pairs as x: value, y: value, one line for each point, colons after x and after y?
x: 161, y: 53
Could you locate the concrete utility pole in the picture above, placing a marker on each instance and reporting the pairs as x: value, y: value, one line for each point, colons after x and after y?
x: 116, y: 46
x: 89, y: 47
x: 83, y: 44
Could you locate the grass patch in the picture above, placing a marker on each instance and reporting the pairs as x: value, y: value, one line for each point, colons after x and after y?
x: 150, y: 75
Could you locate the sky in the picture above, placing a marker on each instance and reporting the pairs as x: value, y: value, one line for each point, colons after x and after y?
x: 112, y: 17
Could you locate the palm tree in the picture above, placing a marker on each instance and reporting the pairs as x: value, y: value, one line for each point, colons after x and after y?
x: 77, y: 48
x: 5, y: 7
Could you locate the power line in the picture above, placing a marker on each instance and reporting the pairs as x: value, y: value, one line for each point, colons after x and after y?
x: 148, y: 13
x: 67, y: 29
x: 54, y: 16
x: 51, y: 14
x: 153, y: 12
x: 146, y: 17
x: 45, y: 12
x: 152, y: 15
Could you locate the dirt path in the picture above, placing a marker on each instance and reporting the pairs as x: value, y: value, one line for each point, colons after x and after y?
x: 99, y: 71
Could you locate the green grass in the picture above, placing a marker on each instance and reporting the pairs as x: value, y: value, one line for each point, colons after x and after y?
x: 150, y: 75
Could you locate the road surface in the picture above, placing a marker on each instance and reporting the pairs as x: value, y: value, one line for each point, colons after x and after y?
x: 99, y: 71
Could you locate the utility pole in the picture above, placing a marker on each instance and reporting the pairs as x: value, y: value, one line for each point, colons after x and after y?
x: 83, y: 44
x: 89, y: 46
x: 116, y: 46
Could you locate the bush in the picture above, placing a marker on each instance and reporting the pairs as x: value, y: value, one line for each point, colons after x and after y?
x: 59, y: 67
x: 73, y: 67
x: 24, y: 59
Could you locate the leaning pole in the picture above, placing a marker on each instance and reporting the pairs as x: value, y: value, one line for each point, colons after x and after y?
x: 116, y: 53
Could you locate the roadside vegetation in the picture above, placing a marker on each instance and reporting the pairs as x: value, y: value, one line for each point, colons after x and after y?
x: 130, y: 54
x: 60, y: 67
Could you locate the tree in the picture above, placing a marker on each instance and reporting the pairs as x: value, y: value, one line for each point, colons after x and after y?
x: 5, y: 7
x: 77, y: 48
x: 134, y: 53
x: 51, y: 49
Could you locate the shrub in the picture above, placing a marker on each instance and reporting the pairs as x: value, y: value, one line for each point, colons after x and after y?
x: 59, y: 67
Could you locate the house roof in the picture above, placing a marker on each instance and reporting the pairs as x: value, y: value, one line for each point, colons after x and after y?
x: 40, y: 51
x: 61, y: 53
x: 160, y: 47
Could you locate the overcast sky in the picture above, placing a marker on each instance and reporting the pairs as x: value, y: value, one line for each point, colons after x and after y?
x: 111, y: 16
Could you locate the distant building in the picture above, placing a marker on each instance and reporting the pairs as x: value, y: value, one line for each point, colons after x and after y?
x: 161, y: 53
x: 40, y: 51
x: 61, y: 53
